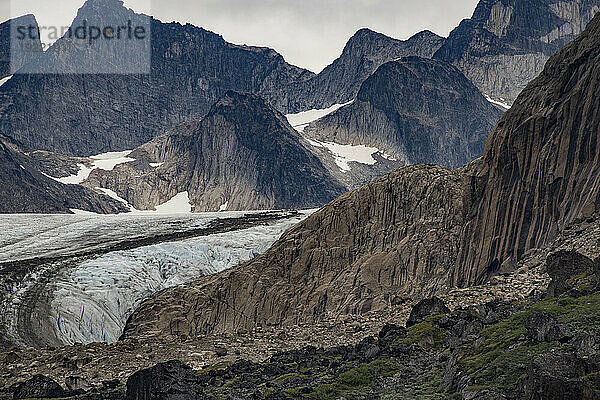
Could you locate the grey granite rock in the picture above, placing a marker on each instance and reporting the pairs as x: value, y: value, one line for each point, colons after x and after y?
x: 86, y: 114
x: 340, y: 82
x: 243, y: 154
x: 417, y: 110
x: 507, y: 42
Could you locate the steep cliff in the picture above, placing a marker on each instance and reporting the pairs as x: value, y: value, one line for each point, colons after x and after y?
x: 417, y: 110
x: 420, y: 228
x: 14, y: 51
x: 340, y: 82
x: 369, y: 248
x: 86, y: 114
x: 24, y: 189
x: 507, y: 42
x: 242, y: 156
x: 541, y: 167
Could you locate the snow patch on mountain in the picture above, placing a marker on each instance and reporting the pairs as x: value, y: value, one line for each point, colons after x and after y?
x: 301, y: 120
x: 180, y: 204
x: 344, y: 154
x: 4, y: 80
x: 105, y: 161
x: 501, y: 103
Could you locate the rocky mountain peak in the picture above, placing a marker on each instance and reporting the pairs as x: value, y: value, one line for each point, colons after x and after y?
x: 417, y: 110
x: 540, y: 169
x: 507, y: 42
x: 422, y: 229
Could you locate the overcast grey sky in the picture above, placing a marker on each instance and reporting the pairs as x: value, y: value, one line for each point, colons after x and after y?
x: 308, y: 33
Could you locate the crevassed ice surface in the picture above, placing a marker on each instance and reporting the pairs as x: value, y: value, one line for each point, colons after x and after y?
x: 92, y: 299
x: 29, y: 236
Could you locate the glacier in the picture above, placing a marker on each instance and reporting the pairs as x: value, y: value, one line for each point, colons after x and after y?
x: 91, y: 296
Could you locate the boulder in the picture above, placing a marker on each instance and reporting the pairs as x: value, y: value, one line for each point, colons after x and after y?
x: 39, y: 387
x: 171, y: 380
x: 572, y: 274
x: 543, y: 327
x: 558, y: 375
x: 78, y: 384
x: 426, y: 308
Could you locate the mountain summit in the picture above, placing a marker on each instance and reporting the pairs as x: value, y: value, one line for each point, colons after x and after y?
x: 242, y: 156
x: 416, y: 109
x: 507, y: 42
x: 95, y: 113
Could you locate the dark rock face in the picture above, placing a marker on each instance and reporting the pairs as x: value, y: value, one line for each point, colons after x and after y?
x: 172, y: 380
x: 24, y: 189
x: 426, y: 308
x: 13, y: 57
x: 243, y: 154
x: 560, y: 375
x: 539, y: 172
x: 90, y: 114
x: 37, y: 387
x: 340, y: 82
x: 417, y: 110
x: 507, y: 42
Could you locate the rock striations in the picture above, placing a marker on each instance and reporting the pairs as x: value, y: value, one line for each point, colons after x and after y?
x: 507, y: 42
x: 397, y: 236
x: 421, y: 228
x: 24, y: 189
x: 541, y: 169
x: 417, y: 110
x: 243, y: 155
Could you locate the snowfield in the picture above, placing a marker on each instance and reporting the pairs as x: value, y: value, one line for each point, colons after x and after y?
x: 344, y: 154
x: 500, y: 103
x: 301, y: 120
x: 105, y: 161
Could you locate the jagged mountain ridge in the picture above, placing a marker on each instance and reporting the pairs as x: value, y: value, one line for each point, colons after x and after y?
x: 420, y: 229
x: 91, y: 114
x: 417, y: 110
x: 243, y: 156
x: 339, y: 82
x: 191, y: 68
x: 507, y: 42
x: 25, y: 189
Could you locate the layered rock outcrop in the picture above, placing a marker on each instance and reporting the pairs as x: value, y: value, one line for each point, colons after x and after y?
x: 507, y: 42
x: 242, y: 156
x: 540, y: 169
x: 394, y: 237
x: 420, y: 228
x: 416, y: 109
